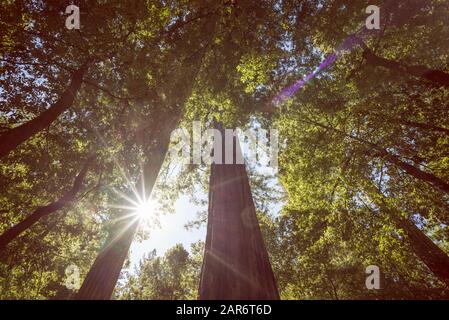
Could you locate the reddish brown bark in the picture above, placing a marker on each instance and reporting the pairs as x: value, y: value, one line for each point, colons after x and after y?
x: 425, y: 249
x: 236, y: 263
x: 103, y: 275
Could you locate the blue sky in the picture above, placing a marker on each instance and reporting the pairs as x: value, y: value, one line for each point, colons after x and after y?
x: 170, y: 232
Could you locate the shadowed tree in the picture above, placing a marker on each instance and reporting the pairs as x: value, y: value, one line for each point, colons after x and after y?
x: 102, y: 277
x: 12, y: 233
x: 13, y: 137
x: 436, y: 76
x: 430, y: 253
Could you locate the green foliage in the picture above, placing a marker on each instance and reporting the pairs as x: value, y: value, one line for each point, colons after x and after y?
x: 175, y: 276
x: 336, y: 221
x: 162, y: 64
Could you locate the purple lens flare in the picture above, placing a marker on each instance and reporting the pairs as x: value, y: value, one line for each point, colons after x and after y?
x: 350, y: 43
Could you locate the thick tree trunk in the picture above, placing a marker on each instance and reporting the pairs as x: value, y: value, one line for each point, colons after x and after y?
x: 100, y: 282
x: 435, y: 76
x: 14, y: 137
x: 40, y: 212
x: 103, y: 275
x: 236, y: 263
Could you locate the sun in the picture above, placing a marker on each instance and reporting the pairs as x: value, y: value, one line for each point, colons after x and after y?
x: 135, y: 206
x: 144, y: 209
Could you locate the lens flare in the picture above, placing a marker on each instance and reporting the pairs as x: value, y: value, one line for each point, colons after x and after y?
x: 350, y: 43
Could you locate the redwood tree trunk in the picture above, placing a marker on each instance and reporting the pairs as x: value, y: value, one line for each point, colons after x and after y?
x: 100, y: 282
x: 425, y: 249
x: 12, y: 233
x: 13, y: 137
x: 236, y: 263
x: 103, y: 275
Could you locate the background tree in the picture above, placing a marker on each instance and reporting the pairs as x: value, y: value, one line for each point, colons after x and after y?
x: 174, y: 276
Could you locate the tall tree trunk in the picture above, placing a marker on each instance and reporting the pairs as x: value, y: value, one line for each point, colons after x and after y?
x: 100, y: 282
x: 14, y: 137
x: 103, y: 275
x: 435, y: 76
x: 236, y: 263
x: 431, y: 254
x: 12, y: 233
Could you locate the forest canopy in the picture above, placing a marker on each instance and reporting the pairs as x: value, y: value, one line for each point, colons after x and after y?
x: 362, y: 179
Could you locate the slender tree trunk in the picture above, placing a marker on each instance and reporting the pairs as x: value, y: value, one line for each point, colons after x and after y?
x: 435, y: 76
x: 14, y: 137
x: 421, y: 125
x: 12, y: 233
x: 411, y: 124
x: 393, y: 159
x: 415, y: 172
x: 428, y: 252
x: 431, y: 254
x: 236, y: 263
